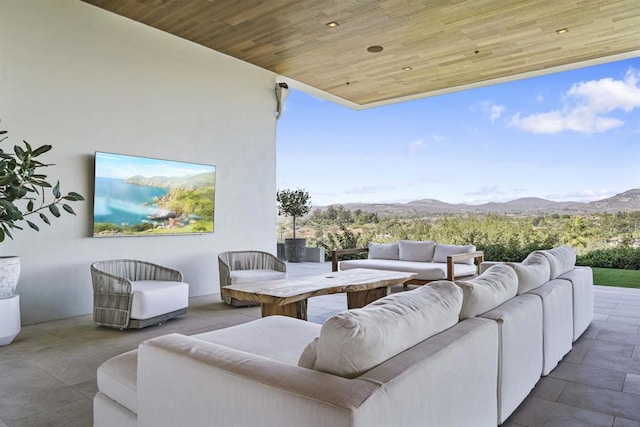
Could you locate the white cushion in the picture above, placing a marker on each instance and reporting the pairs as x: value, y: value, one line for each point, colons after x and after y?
x: 384, y: 251
x: 117, y: 378
x: 532, y: 273
x: 240, y: 277
x: 425, y: 270
x: 581, y: 279
x: 487, y: 291
x: 416, y: 251
x: 557, y: 321
x: 354, y: 341
x: 153, y: 298
x: 443, y: 251
x: 274, y: 337
x: 308, y: 357
x: 561, y: 260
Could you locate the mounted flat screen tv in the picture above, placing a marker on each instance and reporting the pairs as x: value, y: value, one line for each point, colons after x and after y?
x: 141, y: 196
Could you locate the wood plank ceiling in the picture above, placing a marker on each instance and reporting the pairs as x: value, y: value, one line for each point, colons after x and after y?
x: 445, y: 43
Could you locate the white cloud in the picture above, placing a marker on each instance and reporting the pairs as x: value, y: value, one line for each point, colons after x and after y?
x: 416, y: 146
x: 539, y: 98
x: 586, y: 105
x: 438, y: 138
x: 494, y: 111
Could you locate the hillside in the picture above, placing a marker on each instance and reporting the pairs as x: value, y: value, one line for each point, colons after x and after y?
x: 627, y: 201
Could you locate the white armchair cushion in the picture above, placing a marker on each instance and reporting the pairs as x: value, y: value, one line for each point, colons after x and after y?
x: 487, y: 291
x: 384, y: 251
x: 416, y: 250
x: 240, y: 277
x: 354, y: 341
x: 532, y: 273
x: 443, y: 251
x: 153, y: 298
x: 561, y: 260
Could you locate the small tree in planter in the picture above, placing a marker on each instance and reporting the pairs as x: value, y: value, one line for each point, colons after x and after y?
x: 294, y: 203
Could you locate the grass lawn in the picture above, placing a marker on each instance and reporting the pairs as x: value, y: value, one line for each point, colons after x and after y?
x: 615, y: 277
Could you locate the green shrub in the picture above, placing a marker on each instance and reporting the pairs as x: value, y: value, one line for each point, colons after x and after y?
x: 625, y: 258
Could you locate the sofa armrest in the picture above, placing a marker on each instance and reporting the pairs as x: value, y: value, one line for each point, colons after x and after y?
x: 337, y: 253
x: 186, y: 381
x: 452, y: 259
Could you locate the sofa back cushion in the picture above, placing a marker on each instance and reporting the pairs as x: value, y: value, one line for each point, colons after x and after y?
x: 532, y: 273
x: 483, y: 293
x: 411, y: 250
x: 384, y: 251
x: 561, y: 260
x: 354, y: 341
x: 441, y: 252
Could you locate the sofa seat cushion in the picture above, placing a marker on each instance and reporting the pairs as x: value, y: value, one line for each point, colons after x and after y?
x: 483, y: 293
x: 384, y: 250
x: 240, y: 277
x: 561, y: 260
x: 441, y: 252
x: 117, y: 378
x: 354, y: 341
x: 425, y: 270
x: 153, y: 298
x: 274, y: 337
x: 532, y: 273
x: 421, y: 251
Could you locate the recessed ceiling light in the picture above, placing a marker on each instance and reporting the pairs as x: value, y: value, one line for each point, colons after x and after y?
x: 332, y: 24
x: 407, y: 68
x: 562, y: 31
x: 375, y: 49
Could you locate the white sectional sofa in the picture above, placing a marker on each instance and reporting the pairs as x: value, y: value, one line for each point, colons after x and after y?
x: 430, y: 260
x: 406, y: 359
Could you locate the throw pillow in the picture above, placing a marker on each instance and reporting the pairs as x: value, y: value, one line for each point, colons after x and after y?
x: 354, y: 341
x: 443, y: 251
x: 421, y: 251
x: 384, y: 251
x: 561, y: 260
x: 532, y: 273
x: 493, y: 287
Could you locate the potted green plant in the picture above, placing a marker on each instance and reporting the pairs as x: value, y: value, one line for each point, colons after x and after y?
x: 294, y: 203
x: 22, y: 195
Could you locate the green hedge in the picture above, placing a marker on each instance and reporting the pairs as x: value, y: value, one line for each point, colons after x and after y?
x: 619, y: 258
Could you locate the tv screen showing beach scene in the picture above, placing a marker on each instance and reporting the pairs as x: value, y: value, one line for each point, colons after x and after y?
x: 140, y: 196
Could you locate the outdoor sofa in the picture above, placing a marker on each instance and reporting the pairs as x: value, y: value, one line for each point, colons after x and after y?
x: 430, y: 260
x: 454, y: 354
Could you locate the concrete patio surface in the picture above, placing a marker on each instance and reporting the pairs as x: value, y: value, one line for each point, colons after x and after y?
x: 48, y: 374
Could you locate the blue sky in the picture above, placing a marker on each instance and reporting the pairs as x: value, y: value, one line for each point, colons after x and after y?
x: 567, y: 136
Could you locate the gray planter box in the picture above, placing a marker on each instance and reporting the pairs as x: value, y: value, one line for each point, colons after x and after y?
x: 314, y: 254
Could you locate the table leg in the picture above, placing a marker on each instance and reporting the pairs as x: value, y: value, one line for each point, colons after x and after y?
x: 296, y: 309
x: 361, y: 298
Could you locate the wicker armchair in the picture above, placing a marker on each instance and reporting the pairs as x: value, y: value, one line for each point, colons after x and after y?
x: 134, y: 294
x: 237, y: 267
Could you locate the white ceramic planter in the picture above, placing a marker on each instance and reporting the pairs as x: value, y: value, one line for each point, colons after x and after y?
x: 9, y: 274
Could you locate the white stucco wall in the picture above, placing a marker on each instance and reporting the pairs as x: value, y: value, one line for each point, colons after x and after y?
x: 85, y: 80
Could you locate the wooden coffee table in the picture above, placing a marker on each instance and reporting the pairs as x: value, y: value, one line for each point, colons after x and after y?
x: 288, y: 297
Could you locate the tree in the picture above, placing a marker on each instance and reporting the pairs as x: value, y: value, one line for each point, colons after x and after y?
x: 293, y: 203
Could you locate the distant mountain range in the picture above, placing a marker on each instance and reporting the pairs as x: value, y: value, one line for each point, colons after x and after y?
x: 623, y: 202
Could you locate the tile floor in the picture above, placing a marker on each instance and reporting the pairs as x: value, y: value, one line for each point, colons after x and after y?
x: 48, y: 374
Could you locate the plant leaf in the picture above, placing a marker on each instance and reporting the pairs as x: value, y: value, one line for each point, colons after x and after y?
x: 30, y: 205
x: 19, y: 152
x: 56, y: 190
x: 32, y: 225
x: 68, y: 209
x: 44, y: 218
x: 41, y: 150
x: 74, y: 197
x: 54, y: 210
